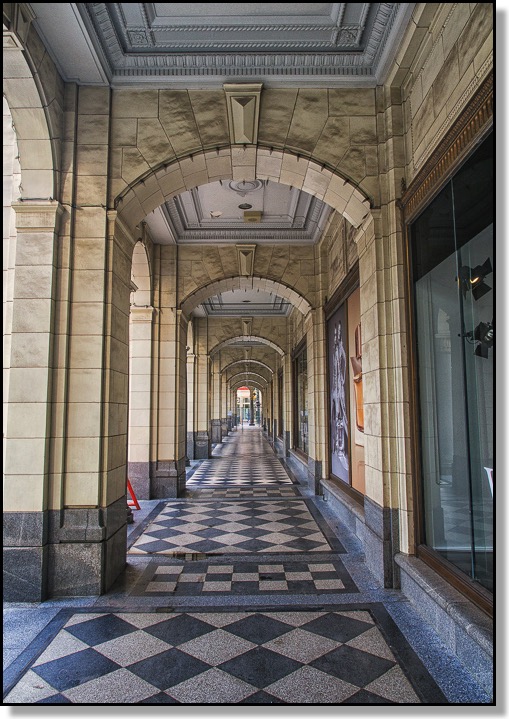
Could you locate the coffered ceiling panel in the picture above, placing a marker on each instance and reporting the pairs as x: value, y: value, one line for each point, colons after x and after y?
x: 210, y: 43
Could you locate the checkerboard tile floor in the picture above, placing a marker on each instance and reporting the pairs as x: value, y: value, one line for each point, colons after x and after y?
x: 200, y: 657
x: 246, y: 578
x: 275, y: 547
x: 243, y: 492
x: 218, y: 527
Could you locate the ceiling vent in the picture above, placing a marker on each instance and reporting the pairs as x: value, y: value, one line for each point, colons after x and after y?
x: 252, y: 216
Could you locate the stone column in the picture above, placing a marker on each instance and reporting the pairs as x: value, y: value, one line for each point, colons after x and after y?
x: 191, y: 362
x: 202, y: 443
x: 140, y: 382
x: 168, y: 473
x: 275, y: 420
x: 215, y: 421
x: 224, y: 406
x: 191, y: 369
x: 389, y: 491
x: 316, y: 396
x: 251, y: 409
x: 29, y: 408
x: 287, y: 404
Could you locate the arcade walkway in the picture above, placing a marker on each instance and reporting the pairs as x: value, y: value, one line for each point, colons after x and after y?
x: 244, y: 592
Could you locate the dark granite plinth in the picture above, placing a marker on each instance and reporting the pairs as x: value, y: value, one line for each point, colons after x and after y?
x: 287, y: 443
x: 139, y: 476
x: 25, y: 529
x: 215, y: 431
x: 202, y: 448
x: 381, y: 542
x: 314, y: 475
x: 168, y: 479
x: 24, y: 574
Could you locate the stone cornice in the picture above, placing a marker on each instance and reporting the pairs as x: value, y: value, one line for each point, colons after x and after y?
x: 155, y: 47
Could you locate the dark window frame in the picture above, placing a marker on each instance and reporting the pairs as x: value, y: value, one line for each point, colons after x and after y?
x: 468, y: 132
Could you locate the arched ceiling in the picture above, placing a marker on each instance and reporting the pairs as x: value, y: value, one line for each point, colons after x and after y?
x: 123, y: 44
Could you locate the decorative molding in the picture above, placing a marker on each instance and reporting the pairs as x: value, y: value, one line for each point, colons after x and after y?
x: 243, y: 106
x: 152, y: 47
x: 471, y: 125
x: 247, y: 325
x: 473, y: 85
x: 245, y: 257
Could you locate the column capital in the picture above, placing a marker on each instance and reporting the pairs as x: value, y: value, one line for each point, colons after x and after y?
x: 37, y: 215
x: 142, y: 314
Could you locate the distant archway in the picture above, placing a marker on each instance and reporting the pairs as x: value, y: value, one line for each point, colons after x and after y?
x: 241, y: 339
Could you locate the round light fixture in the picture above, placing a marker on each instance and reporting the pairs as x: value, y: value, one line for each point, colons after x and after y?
x: 245, y: 206
x: 242, y: 187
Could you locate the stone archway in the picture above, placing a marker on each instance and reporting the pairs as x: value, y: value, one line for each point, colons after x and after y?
x: 233, y: 283
x: 136, y: 199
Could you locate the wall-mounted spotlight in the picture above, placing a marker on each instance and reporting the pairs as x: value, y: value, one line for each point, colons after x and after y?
x: 472, y: 279
x: 484, y: 336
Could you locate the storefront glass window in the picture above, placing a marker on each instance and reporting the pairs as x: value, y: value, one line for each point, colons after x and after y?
x: 452, y: 250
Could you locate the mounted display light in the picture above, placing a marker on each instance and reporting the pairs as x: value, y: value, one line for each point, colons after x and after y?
x: 484, y: 335
x: 472, y: 279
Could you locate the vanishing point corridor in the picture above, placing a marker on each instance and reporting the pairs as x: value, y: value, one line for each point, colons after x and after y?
x: 246, y: 591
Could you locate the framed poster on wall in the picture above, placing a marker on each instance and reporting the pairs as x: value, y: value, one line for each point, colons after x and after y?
x: 338, y: 384
x: 346, y: 406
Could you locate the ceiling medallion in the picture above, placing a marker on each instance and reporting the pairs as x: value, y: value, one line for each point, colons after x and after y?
x: 245, y: 186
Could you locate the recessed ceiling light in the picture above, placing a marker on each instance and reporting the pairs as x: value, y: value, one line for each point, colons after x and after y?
x: 245, y: 206
x: 215, y: 213
x: 246, y: 300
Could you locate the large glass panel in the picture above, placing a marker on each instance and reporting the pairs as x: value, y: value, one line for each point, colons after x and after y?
x: 452, y: 248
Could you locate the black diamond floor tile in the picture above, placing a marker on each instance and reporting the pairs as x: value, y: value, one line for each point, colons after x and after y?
x: 260, y: 667
x: 262, y: 697
x: 168, y: 668
x: 100, y: 630
x: 159, y: 698
x: 353, y: 666
x: 258, y: 628
x: 55, y: 699
x: 337, y: 627
x: 76, y: 669
x: 179, y: 629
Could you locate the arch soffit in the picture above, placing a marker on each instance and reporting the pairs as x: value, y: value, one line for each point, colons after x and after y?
x: 244, y: 283
x: 141, y: 275
x: 246, y: 339
x: 31, y: 124
x: 253, y: 375
x: 167, y: 180
x: 247, y: 361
